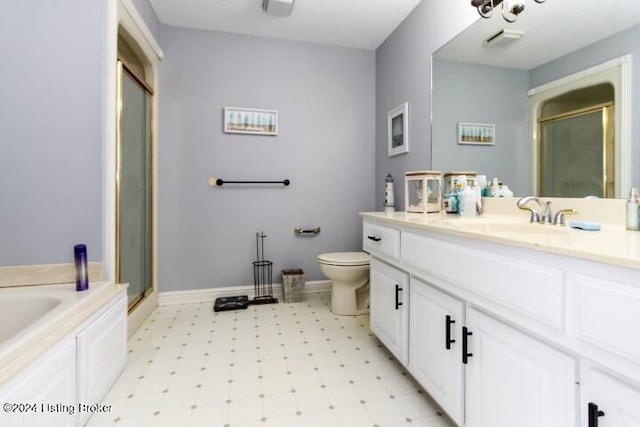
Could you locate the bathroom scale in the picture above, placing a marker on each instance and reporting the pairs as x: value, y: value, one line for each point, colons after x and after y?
x: 231, y: 303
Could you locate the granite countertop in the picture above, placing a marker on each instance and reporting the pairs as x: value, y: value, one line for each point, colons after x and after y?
x: 613, y: 244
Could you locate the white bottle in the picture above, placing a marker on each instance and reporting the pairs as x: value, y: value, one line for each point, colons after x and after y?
x: 468, y: 202
x: 505, y: 192
x: 478, y: 192
x: 495, y: 188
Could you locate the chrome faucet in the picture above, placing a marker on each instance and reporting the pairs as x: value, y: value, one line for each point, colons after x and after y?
x: 545, y: 207
x: 558, y: 219
x: 535, y: 215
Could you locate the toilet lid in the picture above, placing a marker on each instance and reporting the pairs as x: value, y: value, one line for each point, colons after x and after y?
x: 344, y: 258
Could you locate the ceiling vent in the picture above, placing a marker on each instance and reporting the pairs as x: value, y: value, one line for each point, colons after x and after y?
x: 277, y: 7
x: 503, y: 37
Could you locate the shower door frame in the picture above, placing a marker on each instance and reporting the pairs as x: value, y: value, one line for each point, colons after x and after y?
x: 149, y: 287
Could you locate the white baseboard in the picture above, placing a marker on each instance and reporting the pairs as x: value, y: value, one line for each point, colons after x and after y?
x: 210, y: 294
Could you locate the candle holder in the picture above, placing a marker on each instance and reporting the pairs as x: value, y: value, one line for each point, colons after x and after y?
x: 423, y: 191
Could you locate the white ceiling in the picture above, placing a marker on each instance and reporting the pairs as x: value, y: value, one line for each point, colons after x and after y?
x: 551, y: 29
x: 350, y: 23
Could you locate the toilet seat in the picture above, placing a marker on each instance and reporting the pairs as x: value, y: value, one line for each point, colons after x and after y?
x: 344, y: 258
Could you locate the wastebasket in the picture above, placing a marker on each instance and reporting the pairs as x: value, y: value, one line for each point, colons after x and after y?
x: 293, y: 285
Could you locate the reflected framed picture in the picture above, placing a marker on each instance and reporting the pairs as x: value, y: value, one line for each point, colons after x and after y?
x: 476, y: 134
x: 398, y: 130
x: 250, y: 121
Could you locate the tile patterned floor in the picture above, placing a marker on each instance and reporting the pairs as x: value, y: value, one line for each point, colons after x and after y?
x: 270, y: 365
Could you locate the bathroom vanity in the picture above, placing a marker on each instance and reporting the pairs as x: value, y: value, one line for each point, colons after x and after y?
x: 508, y: 323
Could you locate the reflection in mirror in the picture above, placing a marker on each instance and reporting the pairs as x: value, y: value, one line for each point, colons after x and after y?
x: 576, y: 143
x: 492, y: 84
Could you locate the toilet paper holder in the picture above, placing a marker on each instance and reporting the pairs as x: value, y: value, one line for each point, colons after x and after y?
x: 299, y: 230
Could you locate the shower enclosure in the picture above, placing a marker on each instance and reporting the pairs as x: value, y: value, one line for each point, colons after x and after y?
x: 576, y: 155
x: 134, y: 243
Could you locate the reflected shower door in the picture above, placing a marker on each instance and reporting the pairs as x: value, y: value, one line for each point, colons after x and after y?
x: 134, y: 188
x: 575, y: 155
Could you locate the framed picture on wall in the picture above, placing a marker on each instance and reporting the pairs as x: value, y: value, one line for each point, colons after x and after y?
x: 250, y: 121
x: 476, y: 134
x: 398, y: 130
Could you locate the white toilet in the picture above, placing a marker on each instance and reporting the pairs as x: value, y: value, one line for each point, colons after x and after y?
x: 349, y: 273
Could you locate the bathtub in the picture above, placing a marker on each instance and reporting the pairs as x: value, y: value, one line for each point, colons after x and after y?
x: 22, y: 312
x: 34, y: 318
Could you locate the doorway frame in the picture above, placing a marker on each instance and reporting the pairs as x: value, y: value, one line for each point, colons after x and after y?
x: 122, y: 15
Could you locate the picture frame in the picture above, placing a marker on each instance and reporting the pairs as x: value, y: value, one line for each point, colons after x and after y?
x: 250, y: 121
x: 476, y: 134
x: 398, y: 130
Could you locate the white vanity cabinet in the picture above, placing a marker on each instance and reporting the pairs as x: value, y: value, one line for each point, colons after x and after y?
x: 389, y: 309
x: 381, y: 241
x: 435, y: 320
x: 607, y: 401
x: 513, y: 379
x: 501, y: 335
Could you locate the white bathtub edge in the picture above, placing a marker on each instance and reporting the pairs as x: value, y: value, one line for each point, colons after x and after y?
x: 61, y: 325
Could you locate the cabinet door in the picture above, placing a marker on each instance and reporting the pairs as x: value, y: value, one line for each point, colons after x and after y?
x: 46, y: 388
x: 389, y: 306
x: 606, y: 401
x: 434, y: 345
x: 514, y: 380
x: 102, y: 353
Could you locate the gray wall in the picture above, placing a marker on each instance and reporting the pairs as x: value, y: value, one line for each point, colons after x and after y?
x: 325, y: 98
x: 610, y: 48
x: 403, y: 74
x: 500, y: 99
x: 51, y: 130
x: 149, y: 16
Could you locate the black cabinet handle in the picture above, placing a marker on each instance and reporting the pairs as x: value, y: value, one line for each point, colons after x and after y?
x: 398, y: 302
x: 447, y: 331
x: 374, y: 238
x: 465, y: 354
x: 594, y: 414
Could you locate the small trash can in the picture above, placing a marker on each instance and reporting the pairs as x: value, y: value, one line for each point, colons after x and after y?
x: 293, y: 285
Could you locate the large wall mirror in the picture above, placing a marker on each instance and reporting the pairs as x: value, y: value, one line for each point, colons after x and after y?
x: 557, y: 84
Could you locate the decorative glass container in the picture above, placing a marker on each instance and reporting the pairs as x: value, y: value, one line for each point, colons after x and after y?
x: 423, y: 191
x: 451, y: 177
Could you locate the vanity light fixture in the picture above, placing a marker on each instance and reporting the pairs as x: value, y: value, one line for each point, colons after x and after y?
x: 510, y: 8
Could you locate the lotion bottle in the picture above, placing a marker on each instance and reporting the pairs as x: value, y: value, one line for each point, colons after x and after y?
x: 478, y: 195
x: 468, y: 202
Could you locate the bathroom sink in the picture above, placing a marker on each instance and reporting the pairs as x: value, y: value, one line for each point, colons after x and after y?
x: 500, y: 226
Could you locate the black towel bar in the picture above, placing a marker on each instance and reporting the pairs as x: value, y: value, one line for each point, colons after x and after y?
x: 220, y: 181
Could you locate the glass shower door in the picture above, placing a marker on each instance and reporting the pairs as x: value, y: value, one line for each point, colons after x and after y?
x: 576, y: 155
x: 134, y: 207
